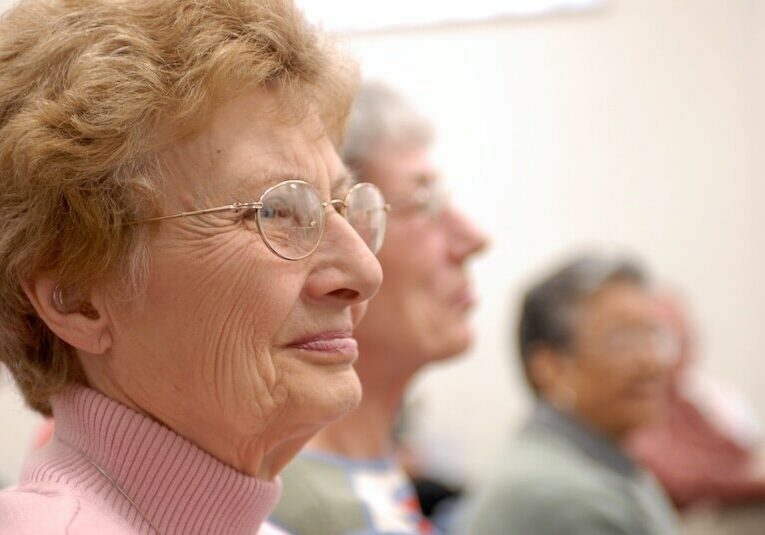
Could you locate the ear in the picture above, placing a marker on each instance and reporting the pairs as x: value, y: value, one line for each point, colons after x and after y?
x: 78, y: 320
x: 547, y: 368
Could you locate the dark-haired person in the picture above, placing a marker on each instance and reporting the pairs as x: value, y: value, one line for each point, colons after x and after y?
x: 596, y: 354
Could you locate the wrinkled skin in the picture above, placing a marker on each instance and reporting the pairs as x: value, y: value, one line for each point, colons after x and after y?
x: 207, y: 350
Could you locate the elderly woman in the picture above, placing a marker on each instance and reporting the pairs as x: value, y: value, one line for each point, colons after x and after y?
x: 596, y: 353
x: 183, y: 258
x: 348, y: 481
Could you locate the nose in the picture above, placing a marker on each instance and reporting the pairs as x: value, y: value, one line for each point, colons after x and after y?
x: 466, y: 238
x: 652, y: 363
x: 344, y: 271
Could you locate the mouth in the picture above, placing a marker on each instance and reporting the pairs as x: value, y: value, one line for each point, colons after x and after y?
x: 463, y: 299
x: 328, y: 347
x: 648, y: 390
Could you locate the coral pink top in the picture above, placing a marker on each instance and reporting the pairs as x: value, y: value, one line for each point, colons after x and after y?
x: 695, y: 461
x: 174, y: 486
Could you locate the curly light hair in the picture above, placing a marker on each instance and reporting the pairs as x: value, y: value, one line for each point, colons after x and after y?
x: 84, y: 87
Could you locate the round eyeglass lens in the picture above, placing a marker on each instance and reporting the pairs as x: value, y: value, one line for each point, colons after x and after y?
x: 366, y: 214
x: 291, y: 220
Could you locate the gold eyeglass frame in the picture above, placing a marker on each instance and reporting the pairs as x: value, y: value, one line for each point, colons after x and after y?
x: 340, y: 205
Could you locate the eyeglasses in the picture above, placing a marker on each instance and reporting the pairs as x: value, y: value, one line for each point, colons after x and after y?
x: 430, y: 197
x: 290, y: 216
x: 629, y: 342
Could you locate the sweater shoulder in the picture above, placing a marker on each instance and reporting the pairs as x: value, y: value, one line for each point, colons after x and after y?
x: 54, y: 509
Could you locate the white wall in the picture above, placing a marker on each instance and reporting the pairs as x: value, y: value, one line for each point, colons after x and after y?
x: 641, y: 126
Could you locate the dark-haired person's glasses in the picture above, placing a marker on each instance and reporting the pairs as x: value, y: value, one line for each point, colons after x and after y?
x: 629, y: 342
x: 290, y: 216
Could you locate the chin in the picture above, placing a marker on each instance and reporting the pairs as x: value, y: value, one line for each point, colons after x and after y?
x: 454, y: 342
x: 644, y: 413
x: 332, y: 397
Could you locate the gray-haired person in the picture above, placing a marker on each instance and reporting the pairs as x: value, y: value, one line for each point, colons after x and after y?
x: 595, y: 350
x: 349, y: 481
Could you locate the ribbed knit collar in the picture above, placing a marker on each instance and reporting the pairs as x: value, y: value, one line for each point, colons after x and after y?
x: 176, y: 485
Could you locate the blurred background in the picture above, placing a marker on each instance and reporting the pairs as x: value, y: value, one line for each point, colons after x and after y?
x: 632, y: 126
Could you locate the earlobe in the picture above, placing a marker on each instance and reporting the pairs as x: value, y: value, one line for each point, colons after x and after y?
x: 544, y: 367
x: 550, y: 371
x: 73, y: 317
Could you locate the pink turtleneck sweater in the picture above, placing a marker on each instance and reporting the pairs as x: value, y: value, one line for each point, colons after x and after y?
x: 174, y: 487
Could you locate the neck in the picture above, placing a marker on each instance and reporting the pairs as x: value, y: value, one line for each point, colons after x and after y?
x: 602, y: 426
x: 165, y: 481
x: 262, y: 458
x: 367, y: 432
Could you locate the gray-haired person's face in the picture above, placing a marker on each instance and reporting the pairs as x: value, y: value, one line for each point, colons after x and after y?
x: 421, y: 312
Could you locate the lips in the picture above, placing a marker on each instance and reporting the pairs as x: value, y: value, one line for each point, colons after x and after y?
x: 647, y: 390
x: 329, y: 347
x: 463, y: 299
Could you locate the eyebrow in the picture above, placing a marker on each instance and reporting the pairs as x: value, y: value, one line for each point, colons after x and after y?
x: 426, y: 177
x: 271, y: 176
x: 343, y: 181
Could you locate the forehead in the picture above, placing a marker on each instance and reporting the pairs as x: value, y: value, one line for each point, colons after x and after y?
x: 400, y: 170
x: 250, y: 143
x: 620, y: 303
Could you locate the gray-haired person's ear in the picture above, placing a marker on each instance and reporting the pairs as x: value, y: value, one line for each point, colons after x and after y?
x: 70, y: 315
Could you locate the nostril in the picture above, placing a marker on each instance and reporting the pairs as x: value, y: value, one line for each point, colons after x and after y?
x: 346, y: 294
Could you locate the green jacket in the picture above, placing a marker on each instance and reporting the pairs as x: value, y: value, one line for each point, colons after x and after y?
x: 559, y: 477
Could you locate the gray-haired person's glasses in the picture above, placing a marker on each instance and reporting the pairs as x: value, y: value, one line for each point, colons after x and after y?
x: 431, y: 198
x: 290, y: 216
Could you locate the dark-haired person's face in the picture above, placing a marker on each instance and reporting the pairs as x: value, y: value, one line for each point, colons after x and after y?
x: 620, y: 356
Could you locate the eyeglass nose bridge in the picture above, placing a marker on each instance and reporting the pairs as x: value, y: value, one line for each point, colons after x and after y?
x: 335, y: 203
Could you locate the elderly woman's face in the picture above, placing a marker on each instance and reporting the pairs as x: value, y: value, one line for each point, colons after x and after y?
x: 241, y: 351
x: 421, y: 311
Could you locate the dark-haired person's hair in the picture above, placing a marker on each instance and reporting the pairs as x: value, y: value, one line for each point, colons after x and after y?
x: 549, y: 308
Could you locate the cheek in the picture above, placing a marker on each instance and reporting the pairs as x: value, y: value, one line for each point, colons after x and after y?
x: 413, y: 263
x: 230, y: 301
x: 601, y: 381
x: 629, y: 389
x: 217, y: 321
x: 412, y: 300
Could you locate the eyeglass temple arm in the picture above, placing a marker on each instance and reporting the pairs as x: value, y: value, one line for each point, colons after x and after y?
x: 233, y: 206
x: 236, y: 206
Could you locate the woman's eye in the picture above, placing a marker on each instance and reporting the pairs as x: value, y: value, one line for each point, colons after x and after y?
x: 273, y: 212
x: 250, y: 214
